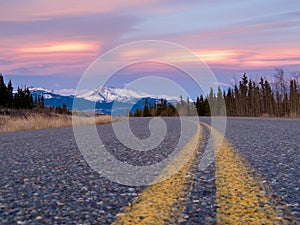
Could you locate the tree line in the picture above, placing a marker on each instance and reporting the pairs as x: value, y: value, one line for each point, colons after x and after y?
x: 162, y: 108
x: 247, y: 98
x: 280, y: 98
x: 23, y: 99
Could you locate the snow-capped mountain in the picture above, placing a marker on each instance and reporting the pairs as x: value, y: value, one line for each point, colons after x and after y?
x: 102, y: 94
x: 48, y: 92
x: 52, y: 97
x: 107, y: 100
x: 110, y: 94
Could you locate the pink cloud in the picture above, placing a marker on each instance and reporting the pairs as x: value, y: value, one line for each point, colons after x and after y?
x: 50, y: 37
x: 261, y: 58
x: 29, y: 10
x: 49, y: 58
x: 61, y: 47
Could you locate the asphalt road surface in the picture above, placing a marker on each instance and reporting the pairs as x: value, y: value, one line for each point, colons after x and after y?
x: 254, y: 179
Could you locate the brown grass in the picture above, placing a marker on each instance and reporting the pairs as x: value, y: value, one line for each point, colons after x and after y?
x: 36, y: 121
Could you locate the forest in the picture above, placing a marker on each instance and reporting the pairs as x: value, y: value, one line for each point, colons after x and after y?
x: 247, y: 98
x: 23, y: 99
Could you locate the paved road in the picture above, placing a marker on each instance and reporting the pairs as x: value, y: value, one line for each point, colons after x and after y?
x: 45, y: 179
x: 271, y: 149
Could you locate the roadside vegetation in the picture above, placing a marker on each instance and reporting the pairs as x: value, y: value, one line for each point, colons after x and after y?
x: 23, y: 99
x: 262, y: 98
x: 21, y: 111
x: 158, y: 109
x: 247, y: 98
x: 36, y: 121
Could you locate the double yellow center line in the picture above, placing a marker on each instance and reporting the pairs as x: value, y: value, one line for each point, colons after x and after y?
x: 240, y: 198
x: 164, y: 202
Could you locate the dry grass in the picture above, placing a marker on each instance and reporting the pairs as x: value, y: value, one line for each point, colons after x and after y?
x: 42, y: 121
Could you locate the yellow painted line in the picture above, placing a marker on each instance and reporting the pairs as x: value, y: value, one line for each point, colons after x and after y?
x: 240, y: 198
x: 163, y: 203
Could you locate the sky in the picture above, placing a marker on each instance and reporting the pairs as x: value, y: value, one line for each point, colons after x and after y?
x: 51, y: 43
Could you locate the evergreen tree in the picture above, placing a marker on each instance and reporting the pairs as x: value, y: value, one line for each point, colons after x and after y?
x: 9, y: 94
x: 146, y: 111
x: 220, y: 111
x: 64, y: 109
x: 243, y: 95
x: 248, y: 98
x: 3, y: 92
x: 137, y: 113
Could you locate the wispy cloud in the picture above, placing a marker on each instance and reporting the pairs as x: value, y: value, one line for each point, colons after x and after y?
x: 61, y: 47
x: 64, y: 37
x: 34, y: 10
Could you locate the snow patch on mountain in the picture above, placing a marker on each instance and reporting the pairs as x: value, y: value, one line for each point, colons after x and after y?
x: 101, y: 94
x: 47, y: 96
x: 109, y: 94
x: 62, y: 92
x: 32, y: 89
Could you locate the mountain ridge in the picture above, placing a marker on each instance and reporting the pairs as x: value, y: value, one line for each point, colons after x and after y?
x: 106, y: 100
